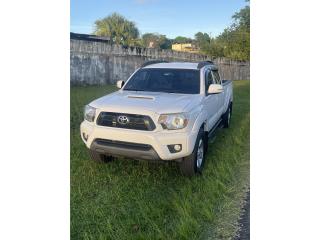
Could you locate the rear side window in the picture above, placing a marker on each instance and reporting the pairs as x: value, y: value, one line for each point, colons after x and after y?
x: 209, y: 79
x: 216, y: 77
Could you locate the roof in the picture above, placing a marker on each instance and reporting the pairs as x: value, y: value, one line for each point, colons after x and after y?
x: 88, y: 37
x: 176, y: 65
x: 180, y: 65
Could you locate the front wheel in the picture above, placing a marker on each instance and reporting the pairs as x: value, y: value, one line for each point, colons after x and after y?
x: 194, y: 163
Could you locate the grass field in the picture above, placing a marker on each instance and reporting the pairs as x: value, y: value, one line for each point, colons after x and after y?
x: 129, y: 199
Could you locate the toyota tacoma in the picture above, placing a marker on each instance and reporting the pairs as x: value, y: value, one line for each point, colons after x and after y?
x: 165, y: 111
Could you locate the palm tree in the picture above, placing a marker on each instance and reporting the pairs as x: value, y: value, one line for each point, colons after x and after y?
x: 118, y: 28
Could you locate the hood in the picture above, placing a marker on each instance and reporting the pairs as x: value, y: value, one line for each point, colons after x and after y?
x: 157, y: 102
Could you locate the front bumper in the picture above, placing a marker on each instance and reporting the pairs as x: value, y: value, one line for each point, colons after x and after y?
x: 125, y: 149
x: 149, y: 145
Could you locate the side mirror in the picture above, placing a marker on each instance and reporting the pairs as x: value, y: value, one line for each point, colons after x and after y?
x: 120, y: 83
x: 215, y: 88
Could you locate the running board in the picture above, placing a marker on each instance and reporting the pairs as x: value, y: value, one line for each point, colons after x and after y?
x: 213, y: 130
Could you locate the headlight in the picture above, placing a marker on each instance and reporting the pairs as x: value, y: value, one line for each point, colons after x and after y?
x: 173, y: 121
x: 89, y: 113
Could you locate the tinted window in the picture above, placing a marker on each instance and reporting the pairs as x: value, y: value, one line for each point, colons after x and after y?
x: 216, y: 77
x: 209, y: 79
x: 186, y: 81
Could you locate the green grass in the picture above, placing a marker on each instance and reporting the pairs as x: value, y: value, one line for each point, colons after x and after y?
x: 129, y: 199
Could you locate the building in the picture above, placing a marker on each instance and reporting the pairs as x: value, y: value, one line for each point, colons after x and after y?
x: 185, y: 47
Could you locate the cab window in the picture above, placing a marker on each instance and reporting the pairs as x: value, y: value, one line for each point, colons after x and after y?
x: 216, y: 77
x: 209, y: 79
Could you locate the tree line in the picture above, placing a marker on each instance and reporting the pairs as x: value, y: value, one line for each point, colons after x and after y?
x: 233, y: 42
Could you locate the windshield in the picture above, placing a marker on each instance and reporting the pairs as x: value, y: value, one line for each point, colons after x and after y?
x: 185, y: 81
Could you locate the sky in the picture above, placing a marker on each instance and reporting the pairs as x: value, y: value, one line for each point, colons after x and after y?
x: 171, y: 18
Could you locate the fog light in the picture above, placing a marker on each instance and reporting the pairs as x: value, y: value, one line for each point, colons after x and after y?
x: 174, y: 148
x: 177, y: 147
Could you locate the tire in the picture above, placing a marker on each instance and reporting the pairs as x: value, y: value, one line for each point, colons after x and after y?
x: 227, y: 117
x: 193, y: 163
x: 100, y: 158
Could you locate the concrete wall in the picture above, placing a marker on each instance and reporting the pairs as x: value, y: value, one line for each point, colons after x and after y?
x: 102, y: 63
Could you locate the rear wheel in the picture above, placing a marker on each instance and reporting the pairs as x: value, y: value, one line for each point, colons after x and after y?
x: 100, y: 158
x: 194, y: 163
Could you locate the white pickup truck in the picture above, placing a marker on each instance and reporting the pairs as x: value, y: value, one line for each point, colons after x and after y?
x: 165, y: 111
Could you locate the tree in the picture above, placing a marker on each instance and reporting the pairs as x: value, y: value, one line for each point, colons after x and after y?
x: 165, y: 43
x: 202, y: 37
x: 236, y: 43
x: 118, y: 28
x: 181, y: 39
x: 237, y: 37
x: 156, y: 40
x: 242, y: 18
x: 203, y: 41
x: 149, y: 39
x: 233, y: 42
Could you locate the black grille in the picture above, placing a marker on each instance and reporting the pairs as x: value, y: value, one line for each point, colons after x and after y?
x: 126, y: 145
x: 135, y: 121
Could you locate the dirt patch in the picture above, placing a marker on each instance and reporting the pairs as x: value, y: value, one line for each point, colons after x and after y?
x: 244, y: 222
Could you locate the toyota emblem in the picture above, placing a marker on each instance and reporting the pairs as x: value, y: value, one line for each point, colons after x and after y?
x: 123, y: 120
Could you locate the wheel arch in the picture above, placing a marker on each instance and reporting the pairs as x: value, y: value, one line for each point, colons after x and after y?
x: 201, y: 122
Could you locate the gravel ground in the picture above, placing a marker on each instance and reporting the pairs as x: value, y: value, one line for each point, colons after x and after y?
x: 244, y: 232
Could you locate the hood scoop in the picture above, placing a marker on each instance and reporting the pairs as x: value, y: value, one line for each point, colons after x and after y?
x: 141, y: 97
